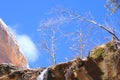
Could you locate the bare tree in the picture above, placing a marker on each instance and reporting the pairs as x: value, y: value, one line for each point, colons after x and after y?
x: 51, y: 51
x: 48, y: 30
x: 113, y: 5
x: 78, y: 38
x: 71, y: 16
x: 80, y: 41
x: 75, y: 15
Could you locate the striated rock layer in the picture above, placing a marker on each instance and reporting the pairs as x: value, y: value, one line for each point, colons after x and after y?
x: 9, y: 50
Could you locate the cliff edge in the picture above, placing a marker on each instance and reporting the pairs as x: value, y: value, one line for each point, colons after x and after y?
x: 9, y: 49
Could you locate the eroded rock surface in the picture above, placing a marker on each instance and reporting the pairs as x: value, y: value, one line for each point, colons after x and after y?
x: 9, y: 50
x: 103, y: 63
x: 10, y: 72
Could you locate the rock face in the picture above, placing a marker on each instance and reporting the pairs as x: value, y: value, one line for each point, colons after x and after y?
x: 10, y: 72
x: 107, y: 58
x: 102, y: 64
x: 9, y: 50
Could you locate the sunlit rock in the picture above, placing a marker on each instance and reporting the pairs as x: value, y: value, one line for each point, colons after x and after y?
x: 103, y: 63
x: 9, y: 49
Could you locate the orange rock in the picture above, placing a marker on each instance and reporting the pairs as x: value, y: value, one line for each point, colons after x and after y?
x: 9, y: 49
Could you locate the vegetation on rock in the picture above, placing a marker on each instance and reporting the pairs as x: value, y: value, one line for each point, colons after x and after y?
x: 97, y: 53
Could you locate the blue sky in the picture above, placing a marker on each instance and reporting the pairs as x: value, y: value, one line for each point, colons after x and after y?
x: 24, y: 17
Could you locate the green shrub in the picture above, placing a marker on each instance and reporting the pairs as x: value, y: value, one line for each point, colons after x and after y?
x: 97, y: 52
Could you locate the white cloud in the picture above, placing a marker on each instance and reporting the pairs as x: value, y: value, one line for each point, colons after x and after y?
x: 27, y: 46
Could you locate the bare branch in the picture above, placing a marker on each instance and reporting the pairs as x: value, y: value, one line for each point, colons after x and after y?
x: 50, y: 28
x: 53, y: 45
x: 112, y: 5
x: 93, y: 22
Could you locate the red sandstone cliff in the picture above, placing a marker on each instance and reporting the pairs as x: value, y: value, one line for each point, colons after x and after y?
x: 9, y: 50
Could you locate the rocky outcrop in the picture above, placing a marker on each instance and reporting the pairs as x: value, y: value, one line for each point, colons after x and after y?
x: 10, y: 72
x: 107, y: 58
x: 9, y: 50
x: 102, y: 64
x: 63, y: 71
